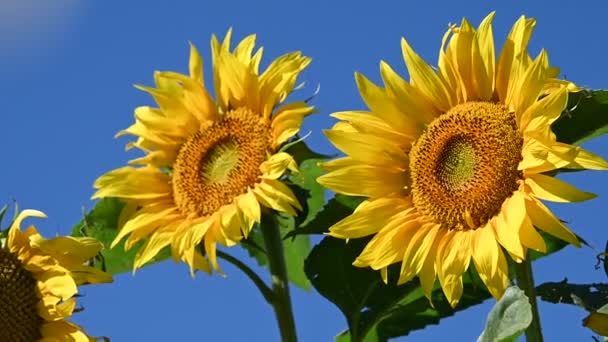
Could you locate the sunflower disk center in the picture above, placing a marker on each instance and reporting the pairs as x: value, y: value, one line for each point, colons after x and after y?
x: 19, y: 319
x: 220, y: 162
x: 456, y: 166
x: 464, y: 166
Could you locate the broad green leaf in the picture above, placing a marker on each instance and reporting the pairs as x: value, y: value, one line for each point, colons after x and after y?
x: 509, y: 317
x: 336, y: 209
x: 301, y: 152
x: 598, y: 321
x: 372, y: 308
x: 101, y: 223
x: 585, y: 118
x: 588, y: 296
x: 310, y: 193
x: 295, y: 250
x: 376, y: 311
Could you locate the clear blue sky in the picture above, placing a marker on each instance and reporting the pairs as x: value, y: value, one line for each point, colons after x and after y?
x: 67, y: 70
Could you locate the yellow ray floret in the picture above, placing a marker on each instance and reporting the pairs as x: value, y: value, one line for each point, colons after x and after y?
x: 39, y: 282
x: 210, y: 166
x: 454, y: 162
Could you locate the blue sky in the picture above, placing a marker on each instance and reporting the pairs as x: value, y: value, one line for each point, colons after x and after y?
x: 67, y: 70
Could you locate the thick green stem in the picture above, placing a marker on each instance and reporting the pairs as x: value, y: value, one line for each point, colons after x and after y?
x: 280, y: 283
x: 525, y: 281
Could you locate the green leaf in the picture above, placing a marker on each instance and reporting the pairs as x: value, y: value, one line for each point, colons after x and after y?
x: 336, y: 209
x: 310, y: 193
x: 101, y: 223
x: 376, y: 311
x: 372, y: 308
x: 301, y: 152
x: 585, y: 118
x: 509, y: 317
x: 588, y: 296
x: 295, y: 251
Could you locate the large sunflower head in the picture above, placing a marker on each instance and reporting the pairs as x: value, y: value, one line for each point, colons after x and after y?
x: 455, y: 162
x: 210, y: 164
x: 39, y: 283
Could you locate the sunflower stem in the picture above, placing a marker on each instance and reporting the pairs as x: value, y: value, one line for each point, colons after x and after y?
x: 525, y: 281
x: 280, y: 283
x: 259, y: 283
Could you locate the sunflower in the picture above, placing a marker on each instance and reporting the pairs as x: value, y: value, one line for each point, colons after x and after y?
x: 455, y: 162
x: 210, y: 165
x: 39, y: 283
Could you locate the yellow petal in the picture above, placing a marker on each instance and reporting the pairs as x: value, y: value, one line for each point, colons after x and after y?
x: 532, y: 81
x: 196, y: 64
x: 244, y: 50
x: 288, y: 120
x: 238, y: 85
x: 210, y: 250
x: 544, y: 220
x: 338, y: 163
x: 381, y: 251
x: 490, y: 261
x: 508, y: 222
x: 248, y: 211
x: 133, y: 183
x: 56, y: 310
x: 89, y: 275
x: 385, y: 107
x: 146, y: 221
x: 16, y: 239
x: 542, y: 113
x: 389, y: 244
x: 275, y: 166
x: 365, y: 180
x: 229, y: 223
x: 530, y: 238
x: 424, y: 78
x: 417, y: 250
x: 541, y: 155
x: 411, y: 102
x: 60, y: 285
x: 447, y: 69
x: 367, y: 122
x: 453, y: 257
x: 80, y: 249
x: 553, y: 189
x: 62, y: 331
x: 196, y: 101
x: 428, y: 272
x: 369, y: 217
x: 196, y: 262
x: 276, y: 195
x: 367, y: 148
x: 515, y: 45
x: 469, y: 64
x: 157, y: 241
x: 485, y: 38
x: 193, y: 234
x: 278, y: 80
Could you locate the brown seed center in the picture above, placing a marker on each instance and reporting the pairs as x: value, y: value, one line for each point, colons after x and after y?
x: 464, y: 166
x: 220, y: 162
x: 19, y: 319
